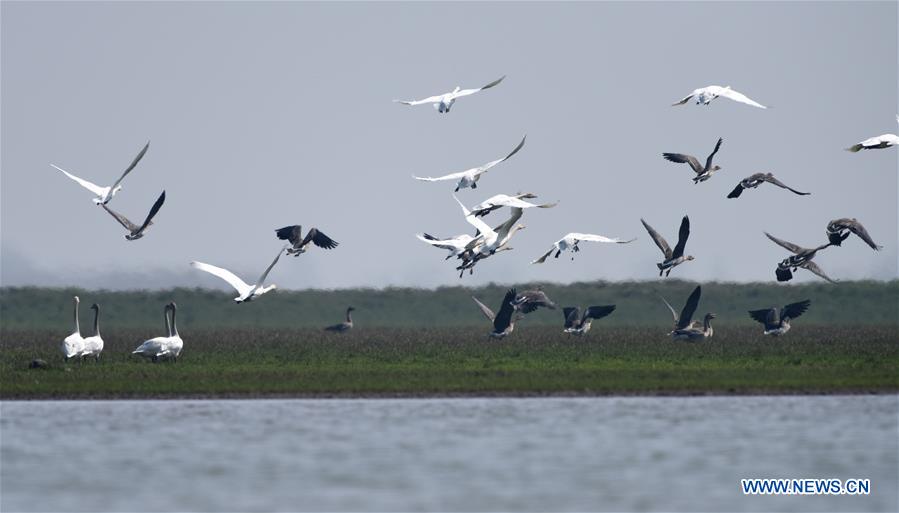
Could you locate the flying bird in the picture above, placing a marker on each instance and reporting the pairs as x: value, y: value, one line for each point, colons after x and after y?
x: 246, y: 292
x: 488, y: 241
x: 135, y: 231
x: 801, y: 258
x: 777, y: 322
x: 502, y: 200
x: 753, y: 181
x: 571, y: 241
x: 345, y: 326
x: 705, y: 96
x: 470, y: 177
x: 881, y: 141
x: 530, y: 300
x: 504, y: 321
x: 685, y: 328
x: 455, y: 245
x: 105, y: 194
x: 838, y: 230
x: 577, y: 324
x: 672, y: 258
x: 444, y: 102
x: 703, y: 173
x: 294, y: 234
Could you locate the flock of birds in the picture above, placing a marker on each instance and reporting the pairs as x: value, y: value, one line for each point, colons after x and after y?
x: 487, y: 241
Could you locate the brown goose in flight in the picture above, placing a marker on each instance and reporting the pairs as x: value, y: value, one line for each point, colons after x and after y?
x: 672, y: 258
x: 530, y: 300
x: 504, y: 320
x: 703, y: 173
x: 838, y: 230
x: 136, y: 232
x: 801, y: 258
x: 777, y: 322
x: 294, y: 234
x: 577, y: 324
x: 753, y: 181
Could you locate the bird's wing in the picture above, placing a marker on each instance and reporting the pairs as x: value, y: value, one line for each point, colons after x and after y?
x: 794, y: 310
x: 682, y: 236
x: 659, y: 240
x: 466, y: 92
x: 530, y: 300
x: 686, y: 315
x: 761, y: 315
x: 153, y: 210
x: 94, y: 188
x: 857, y: 228
x: 544, y: 257
x: 685, y: 100
x: 729, y: 93
x: 454, y: 243
x: 486, y: 167
x: 488, y: 313
x: 509, y: 201
x: 708, y: 161
x: 813, y: 267
x: 133, y: 163
x: 737, y: 191
x: 293, y: 233
x: 598, y: 312
x: 789, y: 246
x: 262, y: 278
x: 855, y: 147
x: 598, y: 238
x: 681, y: 158
x: 770, y: 179
x: 232, y: 279
x: 131, y: 227
x: 475, y: 221
x: 429, y: 99
x: 320, y: 239
x: 671, y: 308
x: 504, y: 316
x: 572, y: 315
x: 451, y: 176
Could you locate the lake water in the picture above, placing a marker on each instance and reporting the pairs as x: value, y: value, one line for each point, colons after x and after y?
x: 585, y: 454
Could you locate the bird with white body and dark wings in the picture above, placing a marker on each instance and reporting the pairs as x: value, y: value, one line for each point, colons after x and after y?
x: 504, y: 320
x: 838, y: 230
x: 675, y: 257
x: 753, y: 181
x: 703, y: 173
x: 577, y: 324
x: 294, y: 235
x: 530, y: 300
x: 777, y: 322
x: 801, y: 258
x: 135, y: 231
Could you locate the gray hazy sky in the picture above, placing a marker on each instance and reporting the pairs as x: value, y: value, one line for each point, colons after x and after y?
x: 263, y: 115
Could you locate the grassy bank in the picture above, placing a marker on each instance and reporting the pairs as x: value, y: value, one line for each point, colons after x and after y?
x: 390, y: 361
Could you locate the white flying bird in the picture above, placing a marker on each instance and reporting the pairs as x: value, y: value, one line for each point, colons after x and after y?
x: 501, y: 200
x: 881, y: 141
x: 705, y: 96
x: 456, y: 245
x: 470, y: 177
x: 104, y: 194
x: 570, y: 242
x: 443, y: 102
x: 247, y: 292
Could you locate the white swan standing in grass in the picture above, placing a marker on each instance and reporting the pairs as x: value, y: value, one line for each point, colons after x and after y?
x: 175, y: 344
x: 105, y: 194
x: 881, y: 141
x: 93, y: 345
x: 570, y: 242
x: 470, y: 177
x: 72, y: 345
x: 705, y: 95
x: 246, y: 292
x: 444, y: 102
x: 157, y: 347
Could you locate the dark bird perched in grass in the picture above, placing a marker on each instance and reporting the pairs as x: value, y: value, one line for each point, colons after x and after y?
x: 504, y: 320
x: 801, y: 258
x: 136, y: 232
x: 685, y: 328
x: 530, y: 300
x: 345, y: 326
x: 675, y: 257
x: 703, y: 173
x: 838, y: 230
x: 577, y: 324
x: 294, y: 234
x: 753, y: 181
x: 777, y: 322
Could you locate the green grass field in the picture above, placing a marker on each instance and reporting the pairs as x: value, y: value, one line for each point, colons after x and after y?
x: 446, y: 361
